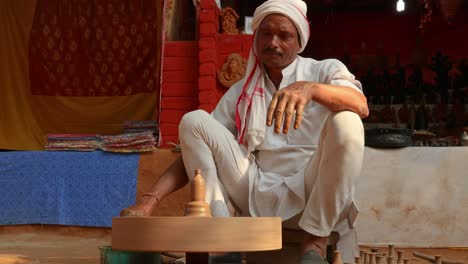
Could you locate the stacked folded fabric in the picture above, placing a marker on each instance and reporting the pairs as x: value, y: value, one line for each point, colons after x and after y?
x: 74, y: 142
x: 140, y: 126
x: 129, y: 142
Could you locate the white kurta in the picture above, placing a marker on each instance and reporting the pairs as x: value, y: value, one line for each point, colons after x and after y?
x: 276, y: 186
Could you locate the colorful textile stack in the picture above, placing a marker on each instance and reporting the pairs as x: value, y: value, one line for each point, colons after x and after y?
x: 140, y: 126
x: 74, y: 142
x: 129, y: 142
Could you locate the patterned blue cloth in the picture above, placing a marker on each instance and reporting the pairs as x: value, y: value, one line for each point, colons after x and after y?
x: 66, y: 188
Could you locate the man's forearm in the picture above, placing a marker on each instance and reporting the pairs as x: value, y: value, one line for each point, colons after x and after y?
x: 339, y: 98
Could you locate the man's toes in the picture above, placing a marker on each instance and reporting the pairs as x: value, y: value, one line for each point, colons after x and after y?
x: 132, y: 212
x: 125, y: 212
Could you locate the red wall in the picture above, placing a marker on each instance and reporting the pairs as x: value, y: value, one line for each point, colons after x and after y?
x: 179, y: 93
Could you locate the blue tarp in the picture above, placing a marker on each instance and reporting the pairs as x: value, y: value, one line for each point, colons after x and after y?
x: 65, y: 188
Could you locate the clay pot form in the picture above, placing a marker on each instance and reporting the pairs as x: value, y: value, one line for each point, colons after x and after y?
x: 449, y: 9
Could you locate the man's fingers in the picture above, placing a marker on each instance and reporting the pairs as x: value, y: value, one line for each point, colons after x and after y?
x: 288, y: 116
x: 279, y: 112
x: 299, y: 112
x: 282, y: 106
x: 271, y: 109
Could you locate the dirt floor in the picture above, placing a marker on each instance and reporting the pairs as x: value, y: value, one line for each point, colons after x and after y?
x: 41, y: 244
x: 52, y: 244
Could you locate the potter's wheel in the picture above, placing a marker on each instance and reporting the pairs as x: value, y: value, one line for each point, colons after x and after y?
x: 196, y: 234
x: 197, y: 231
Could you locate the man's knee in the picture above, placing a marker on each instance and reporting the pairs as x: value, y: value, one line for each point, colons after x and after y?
x: 346, y: 130
x: 191, y: 120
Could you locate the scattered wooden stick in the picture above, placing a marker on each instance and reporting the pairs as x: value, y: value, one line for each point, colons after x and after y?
x: 432, y: 259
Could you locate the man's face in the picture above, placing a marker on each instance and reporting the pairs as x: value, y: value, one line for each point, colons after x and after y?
x: 277, y: 42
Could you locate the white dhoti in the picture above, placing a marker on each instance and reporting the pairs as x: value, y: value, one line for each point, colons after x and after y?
x: 327, y: 179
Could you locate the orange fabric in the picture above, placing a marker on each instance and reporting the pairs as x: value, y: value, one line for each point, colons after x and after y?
x: 26, y: 118
x: 18, y: 126
x: 101, y: 115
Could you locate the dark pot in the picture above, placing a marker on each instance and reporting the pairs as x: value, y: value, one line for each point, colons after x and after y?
x: 388, y: 137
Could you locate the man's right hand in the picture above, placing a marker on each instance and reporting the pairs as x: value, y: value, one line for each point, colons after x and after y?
x: 289, y: 103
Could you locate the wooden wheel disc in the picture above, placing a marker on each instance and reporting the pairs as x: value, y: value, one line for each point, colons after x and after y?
x: 196, y: 234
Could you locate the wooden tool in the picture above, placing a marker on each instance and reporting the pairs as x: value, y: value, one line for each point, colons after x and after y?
x: 366, y: 258
x: 197, y: 231
x: 198, y: 206
x: 337, y: 259
x: 372, y: 258
x: 380, y: 259
x: 357, y: 260
x: 435, y: 259
x: 399, y: 257
x: 391, y: 250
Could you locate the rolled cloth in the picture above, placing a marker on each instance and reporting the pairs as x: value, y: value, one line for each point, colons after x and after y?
x: 295, y: 10
x: 251, y: 106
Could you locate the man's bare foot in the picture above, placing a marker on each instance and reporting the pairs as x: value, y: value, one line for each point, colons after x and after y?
x: 144, y: 207
x: 315, y: 243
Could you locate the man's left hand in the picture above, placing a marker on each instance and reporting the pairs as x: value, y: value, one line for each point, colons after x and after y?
x: 285, y: 102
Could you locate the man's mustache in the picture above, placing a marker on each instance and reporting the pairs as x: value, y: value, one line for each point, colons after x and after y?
x: 271, y: 51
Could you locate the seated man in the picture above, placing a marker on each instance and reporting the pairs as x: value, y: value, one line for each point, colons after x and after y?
x: 286, y: 140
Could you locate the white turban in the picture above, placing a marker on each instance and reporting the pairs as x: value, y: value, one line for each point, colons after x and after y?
x: 295, y: 10
x: 251, y: 107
